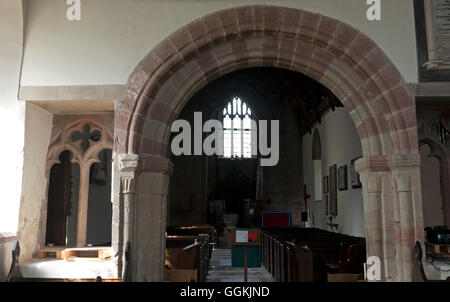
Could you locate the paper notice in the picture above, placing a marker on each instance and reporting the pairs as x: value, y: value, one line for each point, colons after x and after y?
x: 241, y: 236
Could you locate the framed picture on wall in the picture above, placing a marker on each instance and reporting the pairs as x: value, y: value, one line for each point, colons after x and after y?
x: 342, y: 178
x: 325, y: 184
x: 333, y: 190
x: 326, y: 204
x: 354, y: 176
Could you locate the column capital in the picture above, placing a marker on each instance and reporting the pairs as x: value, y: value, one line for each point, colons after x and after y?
x: 127, y: 162
x: 404, y: 161
x: 387, y: 163
x: 128, y: 184
x: 403, y: 183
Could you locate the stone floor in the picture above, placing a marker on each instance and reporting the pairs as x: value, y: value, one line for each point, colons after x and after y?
x: 221, y: 270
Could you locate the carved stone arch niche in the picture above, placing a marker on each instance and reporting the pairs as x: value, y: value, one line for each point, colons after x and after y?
x: 438, y: 150
x: 85, y: 138
x: 433, y: 132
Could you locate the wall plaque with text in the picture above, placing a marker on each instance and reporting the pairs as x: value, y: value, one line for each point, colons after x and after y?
x: 441, y: 17
x: 437, y: 18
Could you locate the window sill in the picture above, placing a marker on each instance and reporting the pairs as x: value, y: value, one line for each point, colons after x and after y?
x: 7, y: 237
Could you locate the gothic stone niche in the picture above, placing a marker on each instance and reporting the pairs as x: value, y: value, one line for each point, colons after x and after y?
x: 85, y: 137
x: 437, y: 20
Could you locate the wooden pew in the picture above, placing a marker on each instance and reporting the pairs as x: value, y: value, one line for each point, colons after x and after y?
x: 197, y: 230
x: 188, y: 253
x: 180, y: 275
x: 324, y: 258
x: 308, y: 254
x: 275, y: 252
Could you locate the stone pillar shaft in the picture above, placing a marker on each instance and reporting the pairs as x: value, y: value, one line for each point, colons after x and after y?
x: 150, y: 226
x: 83, y: 197
x: 373, y: 215
x: 393, y: 212
x: 124, y: 191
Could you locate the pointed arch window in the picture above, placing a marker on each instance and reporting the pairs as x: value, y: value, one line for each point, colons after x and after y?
x: 237, y: 127
x: 79, y: 162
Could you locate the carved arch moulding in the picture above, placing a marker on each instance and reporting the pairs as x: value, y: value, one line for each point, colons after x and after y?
x: 339, y: 56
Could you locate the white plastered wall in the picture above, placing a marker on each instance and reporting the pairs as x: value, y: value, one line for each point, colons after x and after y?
x: 12, y: 113
x: 114, y: 35
x: 12, y: 117
x: 38, y: 126
x: 340, y: 144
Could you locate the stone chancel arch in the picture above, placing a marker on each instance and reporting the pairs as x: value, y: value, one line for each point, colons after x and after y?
x: 335, y: 54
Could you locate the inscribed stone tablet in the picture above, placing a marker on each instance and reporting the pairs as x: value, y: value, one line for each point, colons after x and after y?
x: 441, y: 17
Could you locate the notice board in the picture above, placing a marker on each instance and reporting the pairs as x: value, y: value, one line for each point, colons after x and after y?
x: 249, y: 239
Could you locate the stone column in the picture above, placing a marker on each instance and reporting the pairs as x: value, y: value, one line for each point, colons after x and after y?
x: 406, y: 172
x: 393, y: 212
x: 151, y: 212
x: 378, y: 214
x: 445, y: 188
x: 373, y: 215
x: 406, y: 223
x: 124, y: 191
x: 83, y: 197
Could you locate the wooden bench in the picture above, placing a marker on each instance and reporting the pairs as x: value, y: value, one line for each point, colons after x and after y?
x: 68, y: 254
x: 437, y: 250
x: 180, y: 275
x: 188, y: 253
x: 50, y: 252
x: 97, y: 253
x: 195, y: 230
x: 309, y: 254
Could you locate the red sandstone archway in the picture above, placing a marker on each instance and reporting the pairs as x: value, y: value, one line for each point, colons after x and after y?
x: 335, y: 54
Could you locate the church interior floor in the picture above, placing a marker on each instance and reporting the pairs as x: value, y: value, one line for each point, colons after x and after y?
x: 222, y: 271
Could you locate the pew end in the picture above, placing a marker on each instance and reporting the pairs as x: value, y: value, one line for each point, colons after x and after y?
x: 180, y: 275
x: 345, y: 277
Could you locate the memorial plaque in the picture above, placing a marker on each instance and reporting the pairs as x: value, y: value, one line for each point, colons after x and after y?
x: 441, y: 17
x: 437, y: 19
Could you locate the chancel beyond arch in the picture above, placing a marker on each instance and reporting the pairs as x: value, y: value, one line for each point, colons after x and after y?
x: 329, y: 51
